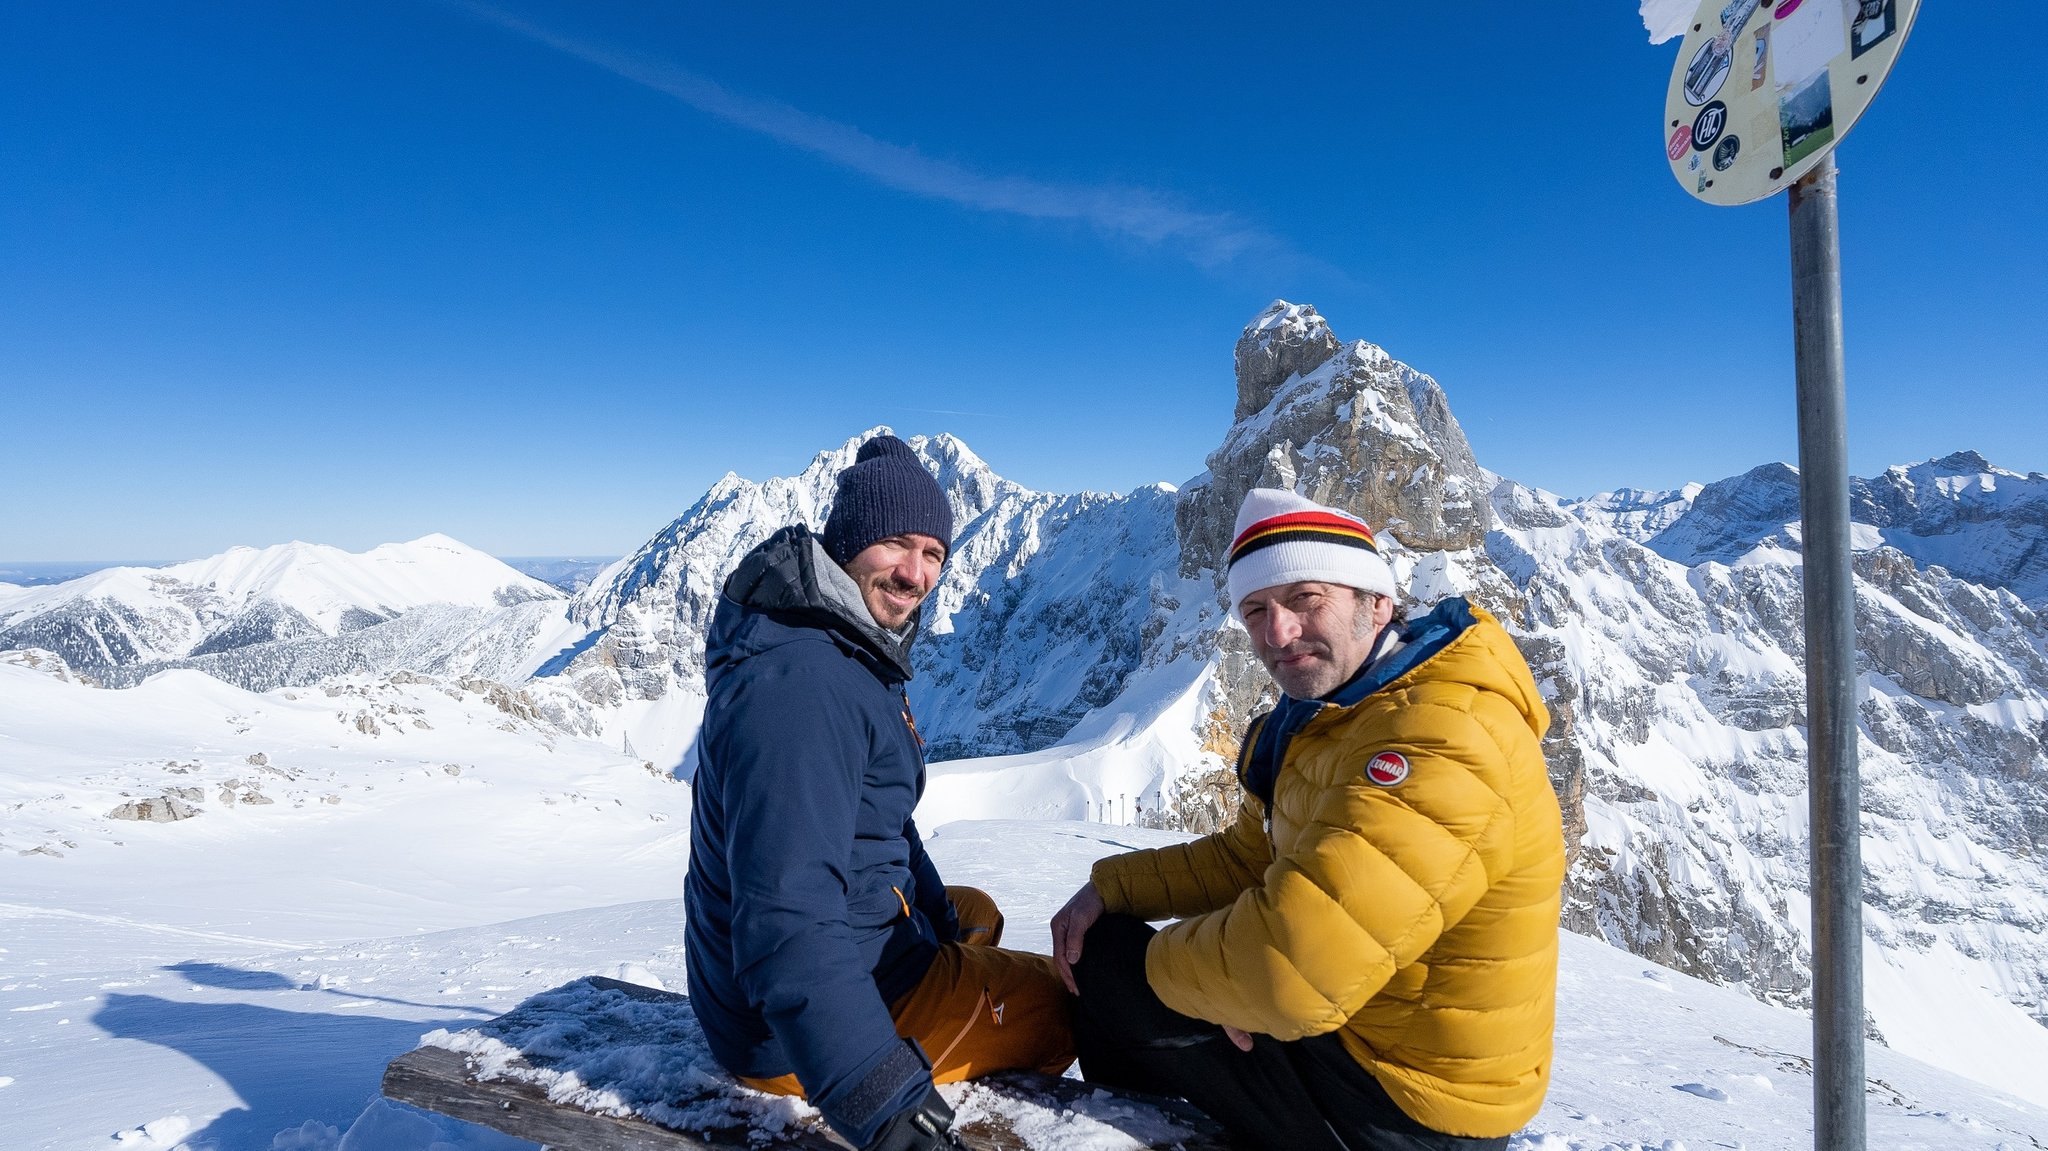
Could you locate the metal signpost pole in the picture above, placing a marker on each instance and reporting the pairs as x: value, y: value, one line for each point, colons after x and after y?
x: 1833, y: 791
x: 1760, y: 95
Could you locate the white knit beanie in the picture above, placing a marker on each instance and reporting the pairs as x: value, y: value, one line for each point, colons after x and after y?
x: 1282, y: 538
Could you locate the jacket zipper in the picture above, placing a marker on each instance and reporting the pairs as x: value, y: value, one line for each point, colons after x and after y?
x: 910, y: 722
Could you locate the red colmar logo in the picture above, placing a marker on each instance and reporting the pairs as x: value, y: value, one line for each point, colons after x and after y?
x: 1387, y: 768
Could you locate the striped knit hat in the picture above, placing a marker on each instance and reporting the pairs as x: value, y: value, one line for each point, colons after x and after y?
x: 1283, y: 538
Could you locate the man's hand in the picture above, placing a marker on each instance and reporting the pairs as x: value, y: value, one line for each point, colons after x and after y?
x: 925, y: 1127
x: 1240, y: 1038
x: 1069, y: 924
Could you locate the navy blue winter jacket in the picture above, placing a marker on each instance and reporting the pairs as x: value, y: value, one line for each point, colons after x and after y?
x: 811, y: 903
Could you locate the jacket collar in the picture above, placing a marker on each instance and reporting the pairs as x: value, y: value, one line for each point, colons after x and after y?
x: 1395, y: 653
x: 791, y: 575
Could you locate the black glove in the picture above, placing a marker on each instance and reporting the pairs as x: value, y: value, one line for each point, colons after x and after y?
x: 925, y: 1127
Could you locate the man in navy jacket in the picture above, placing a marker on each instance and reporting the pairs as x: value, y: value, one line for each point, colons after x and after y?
x: 826, y: 957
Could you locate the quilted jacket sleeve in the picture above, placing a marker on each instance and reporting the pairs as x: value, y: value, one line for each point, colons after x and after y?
x: 1367, y: 885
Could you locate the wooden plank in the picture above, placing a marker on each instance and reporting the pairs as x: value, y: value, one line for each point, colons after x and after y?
x: 632, y: 991
x: 437, y: 1080
x: 440, y: 1080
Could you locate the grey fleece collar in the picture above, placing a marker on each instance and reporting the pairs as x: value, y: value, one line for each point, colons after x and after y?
x: 841, y: 596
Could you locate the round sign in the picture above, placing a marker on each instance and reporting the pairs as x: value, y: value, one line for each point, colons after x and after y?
x: 1764, y: 88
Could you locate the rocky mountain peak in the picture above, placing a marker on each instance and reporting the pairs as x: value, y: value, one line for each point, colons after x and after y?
x: 971, y: 486
x: 1284, y: 341
x: 1960, y: 464
x: 1730, y: 517
x: 1344, y: 424
x: 1981, y: 522
x: 1347, y: 425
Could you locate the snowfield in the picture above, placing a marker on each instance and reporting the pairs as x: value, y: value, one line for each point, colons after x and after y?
x: 235, y: 980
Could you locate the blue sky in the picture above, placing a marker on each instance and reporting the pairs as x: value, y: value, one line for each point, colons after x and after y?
x: 536, y: 274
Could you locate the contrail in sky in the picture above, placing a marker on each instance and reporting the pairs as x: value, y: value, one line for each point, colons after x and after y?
x: 1209, y: 239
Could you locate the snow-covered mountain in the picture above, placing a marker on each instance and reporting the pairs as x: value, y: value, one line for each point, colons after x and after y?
x: 1035, y: 622
x: 1985, y: 524
x: 1079, y: 662
x: 1677, y: 689
x: 288, y: 614
x: 1633, y: 512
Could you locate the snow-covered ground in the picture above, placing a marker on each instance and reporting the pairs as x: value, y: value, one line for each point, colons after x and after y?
x: 236, y: 980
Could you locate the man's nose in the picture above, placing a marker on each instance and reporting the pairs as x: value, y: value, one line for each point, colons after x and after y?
x: 1281, y: 628
x: 918, y: 569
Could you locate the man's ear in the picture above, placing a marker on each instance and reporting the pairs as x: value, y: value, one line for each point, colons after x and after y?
x: 1382, y: 611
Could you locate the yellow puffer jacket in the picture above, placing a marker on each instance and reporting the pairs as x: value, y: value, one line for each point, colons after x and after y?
x: 1418, y: 918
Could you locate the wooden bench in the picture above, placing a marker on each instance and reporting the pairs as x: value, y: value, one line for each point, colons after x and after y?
x: 628, y: 1071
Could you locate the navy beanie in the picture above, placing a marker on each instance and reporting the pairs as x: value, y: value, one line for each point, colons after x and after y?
x: 887, y: 492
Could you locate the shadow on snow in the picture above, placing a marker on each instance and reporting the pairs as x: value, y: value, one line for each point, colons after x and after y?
x: 287, y: 1066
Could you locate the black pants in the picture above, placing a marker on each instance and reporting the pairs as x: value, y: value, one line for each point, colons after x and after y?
x: 1308, y: 1095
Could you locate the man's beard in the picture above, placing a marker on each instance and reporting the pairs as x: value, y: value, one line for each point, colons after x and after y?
x: 1305, y: 681
x: 1315, y: 680
x: 885, y: 612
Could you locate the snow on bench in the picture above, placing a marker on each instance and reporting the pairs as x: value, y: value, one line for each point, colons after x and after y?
x: 603, y: 1065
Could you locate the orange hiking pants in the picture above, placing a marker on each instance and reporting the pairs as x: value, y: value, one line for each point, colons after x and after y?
x: 979, y: 1008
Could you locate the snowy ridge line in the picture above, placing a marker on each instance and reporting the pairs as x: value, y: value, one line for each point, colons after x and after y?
x: 1037, y: 620
x: 449, y: 640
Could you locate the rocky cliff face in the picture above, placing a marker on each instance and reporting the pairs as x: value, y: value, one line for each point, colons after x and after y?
x: 1345, y: 425
x: 1040, y: 619
x: 1687, y: 695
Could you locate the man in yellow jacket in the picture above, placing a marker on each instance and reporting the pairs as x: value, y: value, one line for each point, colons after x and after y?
x: 1367, y: 957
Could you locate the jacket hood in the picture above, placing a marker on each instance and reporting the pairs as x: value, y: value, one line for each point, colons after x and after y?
x: 1458, y: 650
x: 788, y: 589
